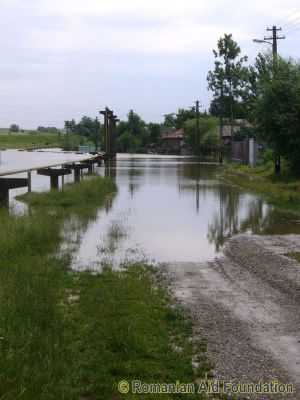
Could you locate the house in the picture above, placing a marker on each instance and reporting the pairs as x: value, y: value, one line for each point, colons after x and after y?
x: 226, y: 133
x: 226, y: 129
x: 172, y: 139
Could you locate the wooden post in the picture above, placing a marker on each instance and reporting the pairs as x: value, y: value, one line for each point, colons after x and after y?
x: 54, y: 181
x: 29, y: 181
x: 4, y: 198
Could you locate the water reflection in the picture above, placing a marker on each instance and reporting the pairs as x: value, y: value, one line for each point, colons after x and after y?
x: 176, y: 210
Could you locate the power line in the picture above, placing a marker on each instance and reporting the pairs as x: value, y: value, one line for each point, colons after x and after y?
x: 293, y: 31
x: 292, y: 21
x: 295, y: 22
x: 292, y: 13
x: 292, y: 27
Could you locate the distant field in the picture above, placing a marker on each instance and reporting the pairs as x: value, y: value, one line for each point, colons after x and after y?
x: 26, y: 140
x: 5, y: 131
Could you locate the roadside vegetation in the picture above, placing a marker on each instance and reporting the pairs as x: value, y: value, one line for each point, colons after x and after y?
x: 266, y: 96
x: 75, y: 335
x: 281, y: 190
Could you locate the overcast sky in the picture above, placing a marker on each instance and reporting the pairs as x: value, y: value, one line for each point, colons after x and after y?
x: 68, y: 58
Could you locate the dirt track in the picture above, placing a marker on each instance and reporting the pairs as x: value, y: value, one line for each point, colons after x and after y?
x: 246, y: 304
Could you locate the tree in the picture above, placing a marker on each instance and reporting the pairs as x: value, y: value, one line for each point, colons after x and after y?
x: 70, y: 126
x: 209, y: 136
x: 261, y: 71
x: 14, y: 128
x: 88, y: 127
x: 126, y: 143
x: 177, y: 120
x: 154, y: 134
x: 182, y: 116
x: 48, y: 129
x: 169, y: 120
x: 229, y: 76
x: 216, y: 106
x: 136, y: 129
x: 277, y: 109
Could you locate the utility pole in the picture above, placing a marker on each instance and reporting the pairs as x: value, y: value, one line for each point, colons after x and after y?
x: 96, y: 139
x: 131, y: 129
x: 221, y: 124
x: 197, y: 128
x: 274, y: 39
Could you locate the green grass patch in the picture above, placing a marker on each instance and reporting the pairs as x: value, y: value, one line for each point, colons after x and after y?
x: 33, y: 139
x: 27, y: 140
x: 130, y: 332
x: 5, y: 131
x: 78, y: 195
x: 294, y: 256
x: 75, y: 335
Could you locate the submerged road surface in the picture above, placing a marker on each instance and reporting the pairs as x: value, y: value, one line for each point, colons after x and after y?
x: 16, y: 161
x: 246, y: 304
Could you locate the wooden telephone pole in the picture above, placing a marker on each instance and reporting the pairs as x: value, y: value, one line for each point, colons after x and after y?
x: 274, y: 39
x: 197, y: 129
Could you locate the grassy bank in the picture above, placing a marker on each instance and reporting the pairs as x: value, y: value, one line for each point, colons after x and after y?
x: 29, y: 140
x: 282, y: 190
x: 75, y: 335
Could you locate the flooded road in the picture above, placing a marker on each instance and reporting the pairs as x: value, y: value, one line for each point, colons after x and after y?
x: 222, y: 252
x: 174, y: 209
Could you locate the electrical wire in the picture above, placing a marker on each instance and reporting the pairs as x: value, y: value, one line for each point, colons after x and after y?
x: 293, y: 31
x: 292, y: 22
x: 286, y: 17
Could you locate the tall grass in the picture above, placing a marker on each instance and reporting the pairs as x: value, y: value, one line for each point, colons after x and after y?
x: 33, y: 286
x: 32, y: 323
x: 77, y: 196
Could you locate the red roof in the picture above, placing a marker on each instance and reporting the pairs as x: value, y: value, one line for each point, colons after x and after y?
x: 173, y: 135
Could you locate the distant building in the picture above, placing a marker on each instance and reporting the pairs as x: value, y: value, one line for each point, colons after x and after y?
x: 226, y: 130
x: 226, y: 133
x: 172, y: 139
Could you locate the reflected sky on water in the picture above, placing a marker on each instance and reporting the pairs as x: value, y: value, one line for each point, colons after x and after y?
x: 174, y: 209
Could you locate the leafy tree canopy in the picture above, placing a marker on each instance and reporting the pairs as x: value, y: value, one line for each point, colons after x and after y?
x: 229, y: 77
x: 277, y: 108
x: 177, y: 120
x: 48, y: 129
x: 14, y: 128
x: 209, y: 132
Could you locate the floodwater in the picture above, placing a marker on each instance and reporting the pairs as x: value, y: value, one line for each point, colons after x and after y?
x: 172, y: 209
x: 168, y: 208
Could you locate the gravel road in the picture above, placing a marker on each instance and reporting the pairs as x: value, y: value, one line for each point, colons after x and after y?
x: 246, y: 304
